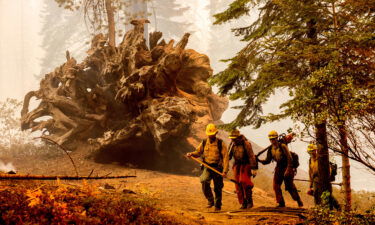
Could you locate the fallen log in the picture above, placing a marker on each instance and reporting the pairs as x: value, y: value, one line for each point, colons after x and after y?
x: 43, y: 177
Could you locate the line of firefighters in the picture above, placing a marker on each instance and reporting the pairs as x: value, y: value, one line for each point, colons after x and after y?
x: 215, y: 154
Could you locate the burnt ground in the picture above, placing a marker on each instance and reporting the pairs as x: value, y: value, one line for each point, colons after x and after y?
x: 178, y: 195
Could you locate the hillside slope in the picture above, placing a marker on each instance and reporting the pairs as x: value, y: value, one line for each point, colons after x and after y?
x: 172, y: 193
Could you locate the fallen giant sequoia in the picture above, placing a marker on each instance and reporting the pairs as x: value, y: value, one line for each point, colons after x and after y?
x: 133, y: 103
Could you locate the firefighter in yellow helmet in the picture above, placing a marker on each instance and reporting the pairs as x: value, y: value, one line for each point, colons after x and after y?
x: 284, y: 171
x: 245, y: 166
x: 214, y: 153
x: 313, y: 169
x: 312, y: 149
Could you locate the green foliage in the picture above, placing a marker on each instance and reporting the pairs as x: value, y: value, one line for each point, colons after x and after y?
x: 322, y: 214
x: 302, y: 46
x: 236, y: 9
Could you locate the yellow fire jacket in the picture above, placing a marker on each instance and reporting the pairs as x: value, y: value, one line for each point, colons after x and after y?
x: 212, y: 155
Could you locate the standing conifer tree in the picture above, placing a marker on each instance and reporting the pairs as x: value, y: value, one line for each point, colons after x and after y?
x: 294, y: 45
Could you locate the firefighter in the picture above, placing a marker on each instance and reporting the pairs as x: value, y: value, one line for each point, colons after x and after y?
x: 284, y: 171
x: 214, y: 153
x: 314, y: 177
x: 313, y: 171
x: 245, y: 166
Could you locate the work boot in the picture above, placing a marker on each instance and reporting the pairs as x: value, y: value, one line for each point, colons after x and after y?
x: 210, y: 204
x: 250, y: 203
x: 300, y: 203
x: 334, y: 204
x: 249, y: 198
x: 244, y: 205
x: 281, y: 204
x: 217, y: 209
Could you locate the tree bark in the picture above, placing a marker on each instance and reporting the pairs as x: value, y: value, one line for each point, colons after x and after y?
x: 111, y: 23
x: 345, y: 166
x: 320, y: 126
x: 343, y: 141
x: 323, y: 159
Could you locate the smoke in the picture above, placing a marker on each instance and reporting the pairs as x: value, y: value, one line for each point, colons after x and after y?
x: 6, y: 167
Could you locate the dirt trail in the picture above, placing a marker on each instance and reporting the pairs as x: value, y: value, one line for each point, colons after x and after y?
x: 174, y: 194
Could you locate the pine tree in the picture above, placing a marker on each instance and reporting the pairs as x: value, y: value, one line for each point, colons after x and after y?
x: 310, y: 48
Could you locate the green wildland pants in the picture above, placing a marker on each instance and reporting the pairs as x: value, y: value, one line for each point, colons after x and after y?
x: 206, y: 177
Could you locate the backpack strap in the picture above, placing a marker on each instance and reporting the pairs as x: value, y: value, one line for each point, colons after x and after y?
x: 203, y: 146
x: 284, y: 152
x: 204, y: 143
x: 219, y: 146
x: 282, y: 149
x: 230, y: 150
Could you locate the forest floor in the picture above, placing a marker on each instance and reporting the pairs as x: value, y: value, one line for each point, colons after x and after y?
x: 179, y: 196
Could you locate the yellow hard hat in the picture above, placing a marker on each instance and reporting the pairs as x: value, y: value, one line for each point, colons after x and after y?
x: 311, y: 148
x: 272, y: 134
x: 234, y: 134
x: 211, y: 129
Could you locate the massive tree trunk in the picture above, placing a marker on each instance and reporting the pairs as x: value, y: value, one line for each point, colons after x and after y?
x: 111, y: 23
x: 133, y: 104
x: 345, y: 165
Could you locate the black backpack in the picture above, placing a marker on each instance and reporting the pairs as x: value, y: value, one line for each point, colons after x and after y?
x: 333, y: 170
x: 295, y: 158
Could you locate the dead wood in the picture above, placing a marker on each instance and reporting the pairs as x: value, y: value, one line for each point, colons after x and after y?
x: 129, y: 101
x: 43, y: 177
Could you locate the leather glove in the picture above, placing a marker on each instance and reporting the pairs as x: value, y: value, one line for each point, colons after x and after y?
x: 254, y: 172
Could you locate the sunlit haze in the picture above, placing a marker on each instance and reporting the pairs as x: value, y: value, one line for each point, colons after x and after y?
x: 21, y: 53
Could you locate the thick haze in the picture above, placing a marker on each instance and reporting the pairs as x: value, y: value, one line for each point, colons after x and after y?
x: 21, y: 53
